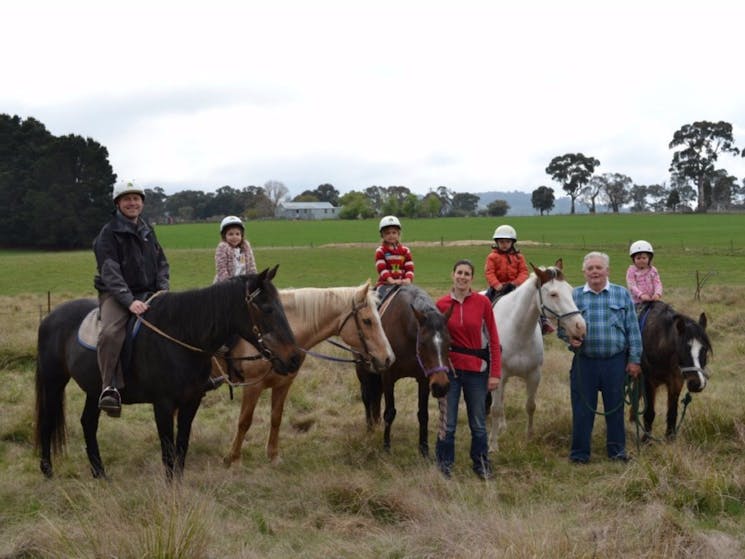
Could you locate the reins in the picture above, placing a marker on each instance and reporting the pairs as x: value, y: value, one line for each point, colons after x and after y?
x: 265, y: 352
x: 360, y: 357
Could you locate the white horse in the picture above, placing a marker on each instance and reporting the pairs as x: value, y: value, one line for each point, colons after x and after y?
x: 547, y: 293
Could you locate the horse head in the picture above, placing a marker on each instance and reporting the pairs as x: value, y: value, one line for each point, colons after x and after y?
x: 363, y: 331
x: 270, y: 331
x: 556, y: 301
x: 432, y: 348
x: 694, y: 348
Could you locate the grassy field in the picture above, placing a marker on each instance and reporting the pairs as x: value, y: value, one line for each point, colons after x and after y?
x: 336, y: 493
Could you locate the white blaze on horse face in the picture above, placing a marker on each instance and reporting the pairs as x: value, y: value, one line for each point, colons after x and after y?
x: 696, y: 347
x: 437, y: 341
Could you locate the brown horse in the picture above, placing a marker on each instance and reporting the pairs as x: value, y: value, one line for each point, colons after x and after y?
x: 419, y: 335
x: 676, y: 350
x: 314, y: 315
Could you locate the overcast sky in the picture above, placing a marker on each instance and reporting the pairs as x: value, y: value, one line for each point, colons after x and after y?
x: 472, y: 95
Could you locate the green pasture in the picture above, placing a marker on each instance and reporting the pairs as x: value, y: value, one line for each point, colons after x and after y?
x: 309, y: 253
x: 706, y: 231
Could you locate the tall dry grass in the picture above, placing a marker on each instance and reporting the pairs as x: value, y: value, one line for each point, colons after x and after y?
x: 336, y: 493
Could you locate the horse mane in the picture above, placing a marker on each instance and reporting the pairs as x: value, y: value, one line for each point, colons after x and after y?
x: 201, y: 312
x: 312, y: 303
x: 420, y: 299
x: 694, y: 330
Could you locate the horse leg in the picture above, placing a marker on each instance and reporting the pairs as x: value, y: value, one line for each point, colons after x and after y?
x: 498, y: 423
x: 279, y: 395
x: 164, y: 422
x: 531, y: 387
x: 389, y: 414
x: 185, y: 418
x: 248, y: 405
x: 674, y: 388
x: 89, y: 422
x: 423, y: 416
x: 50, y: 414
x: 371, y: 393
x: 649, y: 413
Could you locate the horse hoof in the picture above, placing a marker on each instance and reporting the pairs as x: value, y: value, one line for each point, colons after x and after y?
x: 46, y: 469
x: 227, y: 461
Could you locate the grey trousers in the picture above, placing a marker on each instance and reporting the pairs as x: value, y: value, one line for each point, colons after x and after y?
x: 111, y: 339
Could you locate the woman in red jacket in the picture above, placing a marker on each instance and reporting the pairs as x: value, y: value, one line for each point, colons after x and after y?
x: 476, y: 358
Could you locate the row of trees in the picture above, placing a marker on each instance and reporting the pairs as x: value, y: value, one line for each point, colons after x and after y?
x: 55, y: 192
x: 693, y: 175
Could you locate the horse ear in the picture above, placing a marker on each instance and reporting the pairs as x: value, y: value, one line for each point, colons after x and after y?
x: 680, y: 324
x: 449, y: 312
x: 272, y: 272
x: 702, y: 320
x: 543, y: 275
x: 361, y: 294
x: 419, y: 316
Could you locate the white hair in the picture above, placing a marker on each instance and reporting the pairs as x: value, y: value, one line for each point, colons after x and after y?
x: 596, y: 254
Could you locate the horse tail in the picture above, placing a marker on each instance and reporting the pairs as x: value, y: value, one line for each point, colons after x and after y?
x: 50, y: 432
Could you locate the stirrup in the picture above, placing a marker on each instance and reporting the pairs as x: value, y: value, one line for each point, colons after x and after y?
x: 110, y: 401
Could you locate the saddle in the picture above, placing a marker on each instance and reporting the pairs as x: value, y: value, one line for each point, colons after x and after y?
x: 90, y: 328
x: 386, y: 293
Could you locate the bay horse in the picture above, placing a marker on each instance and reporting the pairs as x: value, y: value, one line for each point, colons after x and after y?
x: 314, y: 314
x: 546, y: 292
x: 675, y: 352
x: 168, y: 369
x: 420, y: 339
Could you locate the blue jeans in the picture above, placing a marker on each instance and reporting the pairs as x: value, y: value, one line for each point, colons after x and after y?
x: 589, y: 376
x: 474, y: 388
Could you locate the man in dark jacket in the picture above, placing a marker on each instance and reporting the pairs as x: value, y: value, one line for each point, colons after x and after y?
x: 131, y: 266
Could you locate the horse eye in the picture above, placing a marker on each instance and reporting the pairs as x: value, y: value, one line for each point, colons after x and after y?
x: 367, y: 322
x: 267, y: 309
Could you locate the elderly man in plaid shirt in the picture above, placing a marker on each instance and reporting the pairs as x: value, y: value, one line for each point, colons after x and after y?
x: 611, y: 349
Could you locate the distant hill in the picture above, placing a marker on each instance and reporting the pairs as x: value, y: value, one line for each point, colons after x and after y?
x: 520, y: 203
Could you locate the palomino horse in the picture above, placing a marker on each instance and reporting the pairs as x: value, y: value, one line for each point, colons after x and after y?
x: 168, y: 368
x: 419, y: 335
x: 314, y: 315
x: 676, y: 349
x: 547, y: 293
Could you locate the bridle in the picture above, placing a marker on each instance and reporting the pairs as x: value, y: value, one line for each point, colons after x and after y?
x: 427, y: 372
x: 545, y: 309
x: 363, y: 357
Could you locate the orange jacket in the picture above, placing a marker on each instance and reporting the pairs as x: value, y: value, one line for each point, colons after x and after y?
x: 505, y: 267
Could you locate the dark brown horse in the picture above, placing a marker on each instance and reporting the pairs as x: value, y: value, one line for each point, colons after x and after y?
x: 419, y: 336
x: 676, y: 351
x: 168, y: 371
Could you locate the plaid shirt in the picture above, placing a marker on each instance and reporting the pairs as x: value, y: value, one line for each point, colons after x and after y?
x: 612, y: 325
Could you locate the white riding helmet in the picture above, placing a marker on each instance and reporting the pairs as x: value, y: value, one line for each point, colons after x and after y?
x: 127, y: 188
x: 640, y: 246
x: 229, y: 221
x: 505, y: 232
x: 389, y: 221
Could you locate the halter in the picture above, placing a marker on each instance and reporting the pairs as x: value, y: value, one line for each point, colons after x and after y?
x: 694, y: 369
x: 427, y: 372
x: 546, y: 309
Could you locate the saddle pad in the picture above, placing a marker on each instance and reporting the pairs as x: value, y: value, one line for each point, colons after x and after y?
x: 386, y: 302
x: 89, y: 329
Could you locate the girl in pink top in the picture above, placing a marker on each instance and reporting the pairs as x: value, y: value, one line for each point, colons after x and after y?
x: 642, y: 279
